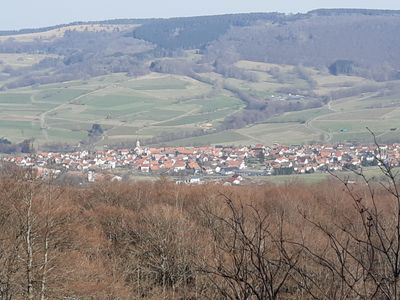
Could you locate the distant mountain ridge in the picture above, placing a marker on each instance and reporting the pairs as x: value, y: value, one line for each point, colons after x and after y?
x: 347, y: 11
x: 320, y: 12
x: 48, y: 28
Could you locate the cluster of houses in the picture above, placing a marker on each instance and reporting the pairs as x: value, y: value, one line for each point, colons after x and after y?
x: 198, y: 164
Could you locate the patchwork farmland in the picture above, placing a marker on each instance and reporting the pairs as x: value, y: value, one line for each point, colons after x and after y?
x: 160, y: 104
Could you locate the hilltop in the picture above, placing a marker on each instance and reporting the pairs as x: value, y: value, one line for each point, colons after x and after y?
x: 322, y: 76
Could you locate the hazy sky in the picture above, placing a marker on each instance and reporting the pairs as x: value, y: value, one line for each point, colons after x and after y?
x: 16, y: 14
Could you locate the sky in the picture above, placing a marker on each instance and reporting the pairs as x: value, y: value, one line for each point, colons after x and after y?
x: 17, y: 14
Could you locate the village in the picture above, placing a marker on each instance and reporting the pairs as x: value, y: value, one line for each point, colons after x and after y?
x: 196, y: 165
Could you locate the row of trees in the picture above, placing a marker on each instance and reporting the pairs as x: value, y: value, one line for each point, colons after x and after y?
x: 8, y: 147
x: 157, y: 240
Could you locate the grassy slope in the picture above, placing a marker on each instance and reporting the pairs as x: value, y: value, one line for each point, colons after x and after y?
x: 372, y: 173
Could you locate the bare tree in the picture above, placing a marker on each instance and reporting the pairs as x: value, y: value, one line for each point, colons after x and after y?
x: 362, y: 248
x: 250, y: 257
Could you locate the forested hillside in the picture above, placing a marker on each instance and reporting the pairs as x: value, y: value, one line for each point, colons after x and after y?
x: 367, y: 42
x: 77, y: 55
x: 196, y: 32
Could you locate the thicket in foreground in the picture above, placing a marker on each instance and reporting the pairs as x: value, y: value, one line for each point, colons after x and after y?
x: 157, y: 240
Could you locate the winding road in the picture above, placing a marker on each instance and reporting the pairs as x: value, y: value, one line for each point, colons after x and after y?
x: 327, y: 134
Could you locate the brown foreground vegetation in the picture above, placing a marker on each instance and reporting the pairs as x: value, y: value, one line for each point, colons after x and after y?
x: 157, y: 240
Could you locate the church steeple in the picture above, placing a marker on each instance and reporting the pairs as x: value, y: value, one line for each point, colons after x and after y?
x: 138, y: 149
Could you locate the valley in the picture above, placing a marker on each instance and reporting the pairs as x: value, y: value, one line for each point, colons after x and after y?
x: 157, y: 105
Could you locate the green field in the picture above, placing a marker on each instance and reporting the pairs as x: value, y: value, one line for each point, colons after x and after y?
x: 373, y: 174
x: 15, y: 99
x: 168, y: 83
x: 222, y: 138
x: 58, y: 96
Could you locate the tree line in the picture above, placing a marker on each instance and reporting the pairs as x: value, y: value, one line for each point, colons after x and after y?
x: 8, y: 147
